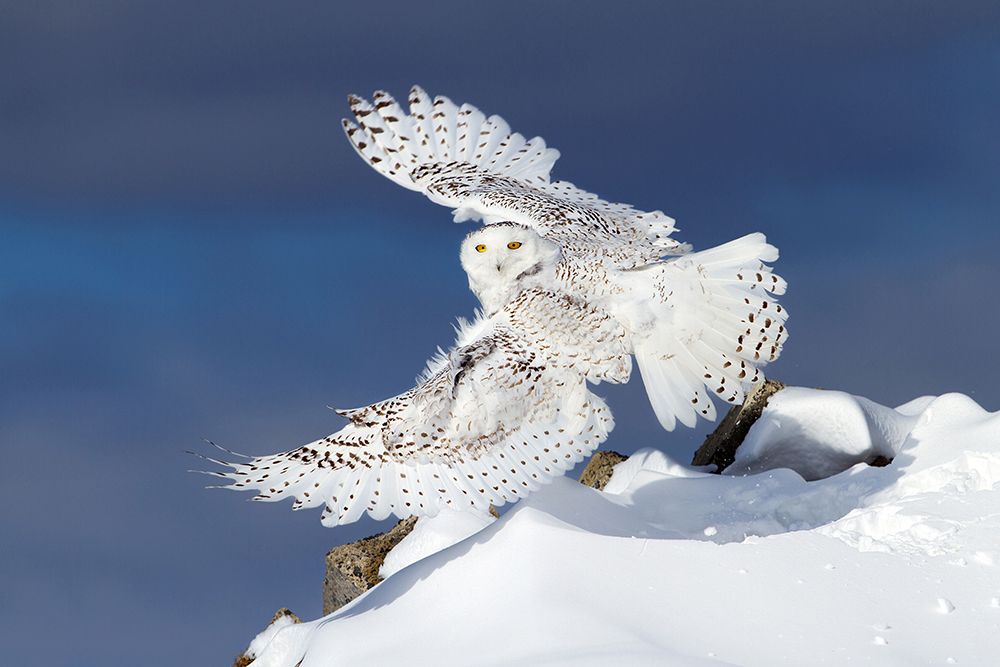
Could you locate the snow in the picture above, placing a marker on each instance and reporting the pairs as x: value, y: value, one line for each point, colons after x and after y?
x: 890, y: 565
x: 274, y: 640
x: 820, y: 433
x: 431, y: 535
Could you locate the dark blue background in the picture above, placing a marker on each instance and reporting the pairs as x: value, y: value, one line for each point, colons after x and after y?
x: 189, y: 248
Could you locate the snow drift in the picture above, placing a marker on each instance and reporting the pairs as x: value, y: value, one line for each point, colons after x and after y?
x: 894, y: 565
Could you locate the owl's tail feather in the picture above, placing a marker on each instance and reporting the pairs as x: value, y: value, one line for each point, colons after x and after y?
x: 437, y: 131
x: 716, y: 323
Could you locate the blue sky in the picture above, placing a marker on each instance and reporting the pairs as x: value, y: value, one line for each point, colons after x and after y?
x: 190, y: 249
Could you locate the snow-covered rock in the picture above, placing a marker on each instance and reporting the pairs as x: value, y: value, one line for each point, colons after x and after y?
x: 283, y: 618
x: 819, y: 433
x: 890, y: 566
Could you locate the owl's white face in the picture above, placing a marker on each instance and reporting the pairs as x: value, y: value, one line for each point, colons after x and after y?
x: 505, y: 258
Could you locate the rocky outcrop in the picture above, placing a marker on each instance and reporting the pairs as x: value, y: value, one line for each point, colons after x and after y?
x: 351, y: 569
x: 243, y: 660
x: 720, y: 446
x: 598, y: 470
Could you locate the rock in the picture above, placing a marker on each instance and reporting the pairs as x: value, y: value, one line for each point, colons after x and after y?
x: 720, y: 446
x: 247, y: 656
x: 879, y: 461
x: 597, y: 472
x: 351, y: 569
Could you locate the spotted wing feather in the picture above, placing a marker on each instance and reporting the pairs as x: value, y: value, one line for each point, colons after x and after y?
x: 481, y: 169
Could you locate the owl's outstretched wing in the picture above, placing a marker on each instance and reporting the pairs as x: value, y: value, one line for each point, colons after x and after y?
x: 505, y: 410
x: 460, y: 158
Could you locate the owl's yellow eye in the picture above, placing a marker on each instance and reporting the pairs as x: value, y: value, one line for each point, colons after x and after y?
x: 514, y: 245
x: 480, y: 248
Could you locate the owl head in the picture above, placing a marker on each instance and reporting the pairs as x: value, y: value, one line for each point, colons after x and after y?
x: 505, y: 258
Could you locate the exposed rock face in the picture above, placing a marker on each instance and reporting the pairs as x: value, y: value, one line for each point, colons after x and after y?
x: 720, y: 446
x: 246, y: 658
x: 597, y: 472
x: 351, y: 569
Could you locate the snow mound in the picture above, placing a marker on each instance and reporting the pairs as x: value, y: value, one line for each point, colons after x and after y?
x: 891, y: 566
x: 820, y: 433
x: 291, y: 636
x: 431, y: 535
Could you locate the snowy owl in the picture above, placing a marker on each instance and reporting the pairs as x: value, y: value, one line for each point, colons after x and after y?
x: 571, y: 288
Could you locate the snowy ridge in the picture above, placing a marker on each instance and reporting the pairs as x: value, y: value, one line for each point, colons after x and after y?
x: 891, y: 565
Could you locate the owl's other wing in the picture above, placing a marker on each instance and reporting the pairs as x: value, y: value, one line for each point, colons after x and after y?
x: 460, y: 158
x: 505, y: 410
x: 719, y: 324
